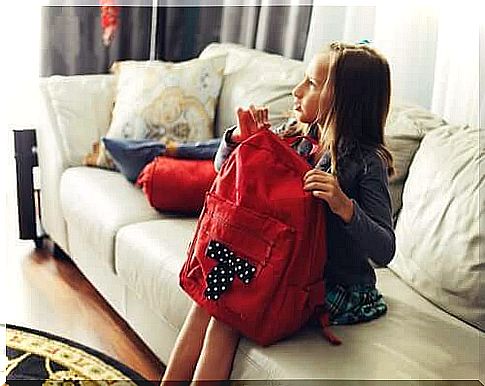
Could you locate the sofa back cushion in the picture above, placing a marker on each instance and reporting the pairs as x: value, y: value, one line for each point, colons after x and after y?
x: 253, y: 76
x: 78, y: 109
x: 405, y: 128
x: 437, y: 231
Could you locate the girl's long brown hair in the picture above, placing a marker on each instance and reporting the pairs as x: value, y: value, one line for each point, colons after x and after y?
x: 359, y: 84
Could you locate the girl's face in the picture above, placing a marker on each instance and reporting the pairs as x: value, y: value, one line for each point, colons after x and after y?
x: 307, y: 93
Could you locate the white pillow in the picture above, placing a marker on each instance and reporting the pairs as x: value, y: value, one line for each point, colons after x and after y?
x: 79, y: 109
x: 405, y: 128
x: 165, y: 101
x: 437, y: 232
x: 254, y: 76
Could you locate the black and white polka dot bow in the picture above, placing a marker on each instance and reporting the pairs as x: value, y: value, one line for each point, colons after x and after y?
x: 220, y: 277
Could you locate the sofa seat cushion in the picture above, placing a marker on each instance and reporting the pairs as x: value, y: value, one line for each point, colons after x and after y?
x: 149, y: 257
x: 95, y: 204
x: 413, y: 340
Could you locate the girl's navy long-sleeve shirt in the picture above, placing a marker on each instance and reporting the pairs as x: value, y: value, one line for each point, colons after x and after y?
x: 368, y: 239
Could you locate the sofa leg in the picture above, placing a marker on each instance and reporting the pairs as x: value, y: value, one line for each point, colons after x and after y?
x: 55, y: 250
x: 58, y: 253
x: 39, y: 242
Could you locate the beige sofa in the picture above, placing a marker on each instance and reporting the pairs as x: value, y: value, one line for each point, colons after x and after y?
x: 133, y: 254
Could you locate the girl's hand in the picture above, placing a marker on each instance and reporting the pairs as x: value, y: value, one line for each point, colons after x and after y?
x: 325, y: 186
x: 251, y: 121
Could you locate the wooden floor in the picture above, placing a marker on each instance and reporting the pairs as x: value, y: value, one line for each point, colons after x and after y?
x: 52, y: 295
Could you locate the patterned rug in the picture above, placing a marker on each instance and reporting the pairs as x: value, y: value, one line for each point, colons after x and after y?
x: 39, y: 356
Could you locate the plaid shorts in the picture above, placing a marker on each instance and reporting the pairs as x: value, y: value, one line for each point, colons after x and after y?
x: 354, y: 304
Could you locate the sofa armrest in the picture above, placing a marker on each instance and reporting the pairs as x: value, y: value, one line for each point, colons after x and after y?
x: 75, y: 112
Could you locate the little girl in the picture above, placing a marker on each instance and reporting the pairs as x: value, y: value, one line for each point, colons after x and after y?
x: 343, y: 102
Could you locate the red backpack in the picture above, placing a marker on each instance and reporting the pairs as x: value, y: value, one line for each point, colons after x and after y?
x: 257, y: 258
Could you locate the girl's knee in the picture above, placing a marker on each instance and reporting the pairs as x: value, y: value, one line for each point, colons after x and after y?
x: 199, y: 311
x: 197, y: 319
x: 220, y: 328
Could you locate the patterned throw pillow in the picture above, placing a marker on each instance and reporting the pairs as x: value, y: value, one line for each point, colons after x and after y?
x: 163, y: 101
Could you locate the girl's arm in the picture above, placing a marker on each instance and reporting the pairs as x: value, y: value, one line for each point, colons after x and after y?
x: 371, y: 223
x: 225, y: 148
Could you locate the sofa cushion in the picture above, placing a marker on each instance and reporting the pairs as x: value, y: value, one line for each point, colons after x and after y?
x: 413, y: 340
x: 253, y: 76
x: 405, y: 128
x: 437, y: 232
x: 96, y: 203
x: 149, y: 257
x: 79, y: 109
x: 130, y: 156
x: 164, y: 101
x: 177, y: 185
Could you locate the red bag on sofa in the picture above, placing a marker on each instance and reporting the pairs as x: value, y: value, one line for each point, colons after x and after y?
x: 176, y: 185
x: 257, y: 258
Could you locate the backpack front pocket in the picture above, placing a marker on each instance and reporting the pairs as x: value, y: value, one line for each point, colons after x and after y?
x: 243, y: 255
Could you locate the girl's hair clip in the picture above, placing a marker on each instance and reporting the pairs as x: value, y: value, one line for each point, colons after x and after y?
x: 364, y: 41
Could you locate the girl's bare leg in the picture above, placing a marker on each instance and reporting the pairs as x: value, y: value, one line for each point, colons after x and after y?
x: 184, y: 356
x: 216, y: 358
